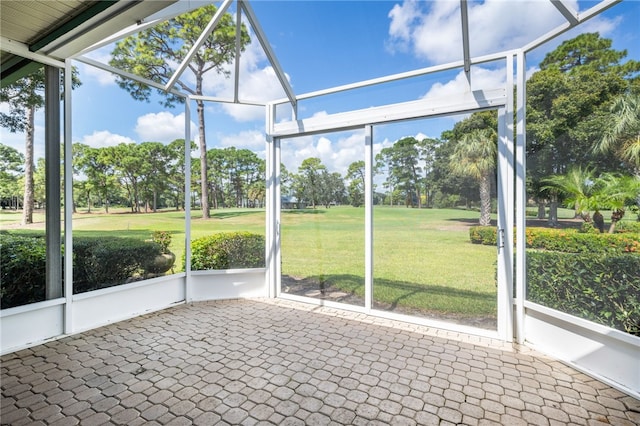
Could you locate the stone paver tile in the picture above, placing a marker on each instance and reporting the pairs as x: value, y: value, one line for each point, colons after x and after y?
x: 278, y: 362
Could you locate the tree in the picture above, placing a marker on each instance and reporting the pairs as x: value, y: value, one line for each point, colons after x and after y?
x: 98, y: 166
x: 128, y: 163
x: 475, y: 156
x: 427, y: 149
x: 153, y: 53
x: 623, y: 136
x: 24, y: 97
x: 154, y: 174
x: 309, y: 181
x: 331, y: 188
x: 585, y: 192
x: 355, y: 176
x: 177, y: 172
x: 568, y: 103
x: 402, y: 160
x: 11, y: 166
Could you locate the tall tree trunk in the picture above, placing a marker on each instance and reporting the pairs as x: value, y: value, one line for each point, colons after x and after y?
x: 204, y: 190
x: 155, y: 201
x: 553, y: 211
x: 485, y: 199
x: 27, y: 204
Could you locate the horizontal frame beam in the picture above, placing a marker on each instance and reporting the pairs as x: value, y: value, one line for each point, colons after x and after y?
x: 426, y: 107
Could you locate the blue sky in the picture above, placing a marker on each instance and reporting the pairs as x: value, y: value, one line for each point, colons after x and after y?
x: 322, y: 44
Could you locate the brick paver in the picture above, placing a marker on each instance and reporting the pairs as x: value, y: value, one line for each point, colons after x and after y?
x: 279, y: 362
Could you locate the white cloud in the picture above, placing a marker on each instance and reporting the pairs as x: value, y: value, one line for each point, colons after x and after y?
x: 480, y: 78
x: 336, y: 151
x: 103, y: 78
x: 432, y: 30
x: 258, y: 83
x: 104, y: 138
x: 246, y: 139
x: 163, y: 127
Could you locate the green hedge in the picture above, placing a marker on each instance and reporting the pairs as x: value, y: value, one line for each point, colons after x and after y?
x: 603, y: 288
x: 22, y: 270
x: 227, y: 250
x: 97, y: 263
x: 627, y: 226
x: 590, y: 275
x: 109, y: 261
x: 565, y: 240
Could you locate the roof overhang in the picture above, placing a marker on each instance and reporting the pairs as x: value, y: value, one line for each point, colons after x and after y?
x: 60, y: 30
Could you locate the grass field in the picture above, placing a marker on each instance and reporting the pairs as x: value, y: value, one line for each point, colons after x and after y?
x: 423, y: 260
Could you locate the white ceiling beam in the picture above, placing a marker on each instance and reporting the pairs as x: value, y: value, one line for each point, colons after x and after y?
x: 569, y: 14
x: 262, y: 38
x: 466, y: 54
x: 126, y: 74
x: 21, y: 49
x: 199, y: 42
x: 478, y: 100
x: 227, y: 101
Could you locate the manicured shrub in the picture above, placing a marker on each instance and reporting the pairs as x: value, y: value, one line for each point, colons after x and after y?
x: 565, y: 240
x: 108, y: 261
x: 227, y: 250
x: 22, y: 270
x: 486, y: 235
x: 603, y: 288
x: 626, y: 226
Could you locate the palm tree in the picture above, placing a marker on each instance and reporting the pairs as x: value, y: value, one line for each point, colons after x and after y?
x: 586, y: 193
x: 578, y: 187
x: 475, y: 156
x: 618, y: 193
x: 624, y: 134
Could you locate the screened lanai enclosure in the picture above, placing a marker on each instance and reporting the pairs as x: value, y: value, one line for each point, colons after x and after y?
x: 488, y: 185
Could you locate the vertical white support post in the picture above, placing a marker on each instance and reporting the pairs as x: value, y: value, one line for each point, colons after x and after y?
x: 272, y: 242
x: 68, y: 201
x: 269, y: 184
x: 188, y: 291
x: 521, y: 195
x: 509, y: 202
x: 368, y: 217
x: 505, y: 210
x: 503, y: 298
x: 277, y: 207
x: 52, y: 187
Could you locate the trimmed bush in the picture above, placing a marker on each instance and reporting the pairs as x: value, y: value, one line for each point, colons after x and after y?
x: 486, y: 235
x: 227, y: 250
x: 97, y: 263
x: 602, y: 288
x: 627, y: 226
x: 109, y: 261
x: 22, y: 270
x: 565, y: 240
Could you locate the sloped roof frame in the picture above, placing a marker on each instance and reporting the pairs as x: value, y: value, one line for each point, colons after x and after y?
x: 572, y: 17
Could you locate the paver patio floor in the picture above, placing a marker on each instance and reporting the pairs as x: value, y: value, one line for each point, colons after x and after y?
x: 281, y: 362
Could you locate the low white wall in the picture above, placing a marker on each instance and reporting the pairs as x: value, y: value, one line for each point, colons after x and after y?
x: 602, y: 352
x: 228, y: 284
x: 101, y: 307
x: 33, y: 324
x: 28, y: 325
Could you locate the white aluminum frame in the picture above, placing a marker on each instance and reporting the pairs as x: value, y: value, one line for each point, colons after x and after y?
x: 536, y: 325
x: 499, y: 99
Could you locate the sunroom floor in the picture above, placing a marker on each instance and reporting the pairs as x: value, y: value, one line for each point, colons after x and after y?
x: 283, y: 362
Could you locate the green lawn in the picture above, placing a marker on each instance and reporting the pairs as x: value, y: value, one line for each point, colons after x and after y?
x: 422, y: 258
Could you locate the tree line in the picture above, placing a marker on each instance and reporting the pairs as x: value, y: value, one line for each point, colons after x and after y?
x: 582, y: 111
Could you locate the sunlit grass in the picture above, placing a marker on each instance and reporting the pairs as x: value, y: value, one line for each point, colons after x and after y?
x: 422, y: 258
